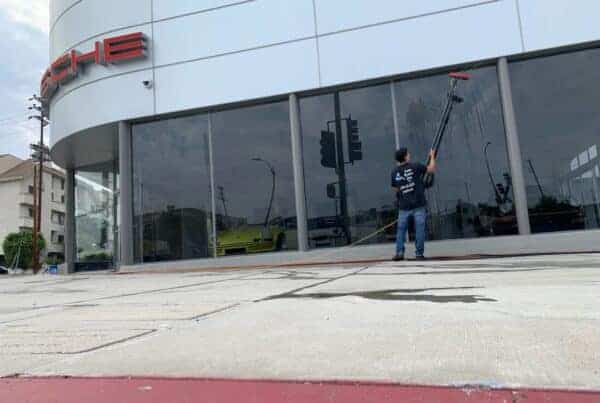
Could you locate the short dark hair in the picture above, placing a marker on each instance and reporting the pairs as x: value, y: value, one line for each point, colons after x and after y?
x: 401, y: 154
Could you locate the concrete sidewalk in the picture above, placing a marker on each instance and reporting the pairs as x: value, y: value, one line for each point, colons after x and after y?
x: 518, y: 322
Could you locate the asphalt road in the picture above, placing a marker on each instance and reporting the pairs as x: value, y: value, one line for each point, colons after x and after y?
x: 517, y: 322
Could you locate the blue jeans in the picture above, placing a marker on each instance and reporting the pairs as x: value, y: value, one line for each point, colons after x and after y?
x: 420, y: 216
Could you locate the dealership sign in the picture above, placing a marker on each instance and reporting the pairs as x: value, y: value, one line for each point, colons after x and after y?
x: 109, y: 51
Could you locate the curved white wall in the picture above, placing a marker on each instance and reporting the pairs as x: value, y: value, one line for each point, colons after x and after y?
x: 211, y: 52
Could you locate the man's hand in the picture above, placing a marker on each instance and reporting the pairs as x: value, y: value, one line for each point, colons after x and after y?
x: 431, y: 165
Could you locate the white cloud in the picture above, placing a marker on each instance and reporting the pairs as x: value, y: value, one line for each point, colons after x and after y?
x: 34, y: 13
x: 24, y: 29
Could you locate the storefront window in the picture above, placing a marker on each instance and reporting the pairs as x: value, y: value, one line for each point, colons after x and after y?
x: 556, y: 103
x: 172, y: 192
x: 472, y: 194
x: 348, y: 193
x: 254, y: 182
x: 96, y: 209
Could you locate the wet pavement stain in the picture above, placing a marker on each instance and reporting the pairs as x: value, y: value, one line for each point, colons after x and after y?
x: 397, y: 295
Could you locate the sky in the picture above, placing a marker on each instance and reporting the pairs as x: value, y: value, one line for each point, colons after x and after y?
x: 24, y: 49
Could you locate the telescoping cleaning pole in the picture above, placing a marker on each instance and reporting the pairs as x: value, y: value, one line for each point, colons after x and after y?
x: 452, y: 99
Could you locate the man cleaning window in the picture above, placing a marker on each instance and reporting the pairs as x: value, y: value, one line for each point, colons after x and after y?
x: 407, y: 182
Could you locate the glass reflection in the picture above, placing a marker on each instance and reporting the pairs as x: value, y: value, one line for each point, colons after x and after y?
x: 254, y: 180
x: 96, y: 216
x: 472, y: 194
x: 172, y: 193
x: 348, y: 140
x: 556, y: 102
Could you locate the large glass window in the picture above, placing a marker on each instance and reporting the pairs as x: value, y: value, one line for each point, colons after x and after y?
x: 254, y: 181
x: 556, y: 102
x: 96, y: 210
x: 348, y: 140
x: 472, y: 194
x: 172, y: 192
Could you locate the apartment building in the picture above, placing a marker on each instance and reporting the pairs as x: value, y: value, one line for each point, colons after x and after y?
x: 16, y: 202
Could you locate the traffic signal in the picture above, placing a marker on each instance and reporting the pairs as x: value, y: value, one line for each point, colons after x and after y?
x: 354, y: 144
x: 328, y: 156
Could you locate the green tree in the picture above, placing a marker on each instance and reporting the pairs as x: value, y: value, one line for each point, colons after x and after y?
x: 21, y: 243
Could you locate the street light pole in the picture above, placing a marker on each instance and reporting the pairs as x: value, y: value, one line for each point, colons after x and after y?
x: 40, y: 155
x: 272, y: 188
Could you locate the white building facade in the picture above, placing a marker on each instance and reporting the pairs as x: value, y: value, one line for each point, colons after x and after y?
x: 213, y: 140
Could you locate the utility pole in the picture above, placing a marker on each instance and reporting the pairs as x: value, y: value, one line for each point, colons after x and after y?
x: 40, y: 155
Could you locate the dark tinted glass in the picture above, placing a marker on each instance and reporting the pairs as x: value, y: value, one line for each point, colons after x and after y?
x: 556, y: 102
x: 254, y: 181
x: 348, y: 203
x: 172, y: 194
x: 472, y: 194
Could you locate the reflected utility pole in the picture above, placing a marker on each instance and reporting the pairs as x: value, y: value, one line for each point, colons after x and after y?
x: 341, y: 168
x: 273, y: 175
x: 222, y: 198
x: 537, y: 180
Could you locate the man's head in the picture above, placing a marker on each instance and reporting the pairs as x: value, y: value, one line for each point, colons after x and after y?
x: 402, y: 155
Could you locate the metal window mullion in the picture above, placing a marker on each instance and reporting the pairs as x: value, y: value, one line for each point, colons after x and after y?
x: 298, y: 169
x: 212, y: 186
x: 125, y: 195
x: 514, y: 149
x: 70, y: 242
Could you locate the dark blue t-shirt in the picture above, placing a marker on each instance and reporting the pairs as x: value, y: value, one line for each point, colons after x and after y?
x: 408, y: 179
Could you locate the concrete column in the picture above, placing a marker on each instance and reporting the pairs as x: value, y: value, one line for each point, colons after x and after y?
x: 70, y: 255
x: 514, y: 149
x: 125, y: 195
x: 298, y: 165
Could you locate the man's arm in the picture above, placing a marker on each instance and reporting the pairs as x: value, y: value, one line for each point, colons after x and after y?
x: 432, y: 165
x: 394, y: 184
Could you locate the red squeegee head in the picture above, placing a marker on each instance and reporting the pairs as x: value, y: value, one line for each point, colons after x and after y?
x: 460, y: 75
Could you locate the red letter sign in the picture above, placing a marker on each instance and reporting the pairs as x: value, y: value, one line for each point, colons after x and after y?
x: 124, y: 47
x: 111, y: 50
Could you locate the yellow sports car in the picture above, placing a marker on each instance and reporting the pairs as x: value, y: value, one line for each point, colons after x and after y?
x: 250, y: 239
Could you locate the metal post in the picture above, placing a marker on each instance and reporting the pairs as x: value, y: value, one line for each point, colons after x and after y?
x: 70, y: 243
x: 514, y: 149
x: 213, y: 196
x: 298, y: 166
x: 125, y: 194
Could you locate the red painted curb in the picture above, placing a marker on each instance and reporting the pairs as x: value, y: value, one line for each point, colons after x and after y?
x: 186, y: 390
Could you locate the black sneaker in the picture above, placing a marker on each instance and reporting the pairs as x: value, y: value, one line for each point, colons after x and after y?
x: 398, y: 258
x: 421, y: 258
